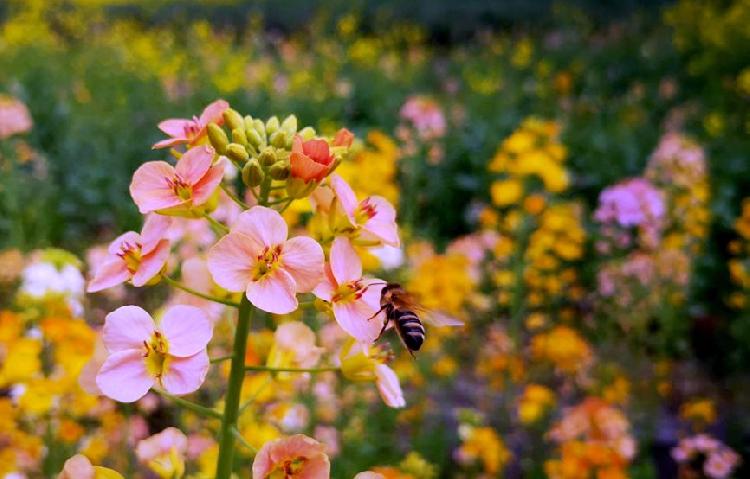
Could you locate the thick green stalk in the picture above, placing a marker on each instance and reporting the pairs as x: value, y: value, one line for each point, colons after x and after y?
x: 232, y: 400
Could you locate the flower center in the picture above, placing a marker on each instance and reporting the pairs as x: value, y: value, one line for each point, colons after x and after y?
x: 180, y: 187
x: 268, y: 261
x: 131, y: 254
x: 193, y: 129
x: 155, y: 354
x: 288, y: 469
x: 364, y: 212
x: 348, y: 292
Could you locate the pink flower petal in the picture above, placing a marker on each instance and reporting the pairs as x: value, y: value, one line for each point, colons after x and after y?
x: 315, y: 465
x: 155, y: 229
x: 123, y: 376
x: 275, y: 293
x: 126, y: 328
x: 264, y: 225
x: 151, y: 189
x: 187, y: 329
x: 128, y: 239
x: 77, y: 467
x: 303, y: 258
x: 303, y: 167
x: 383, y: 224
x: 389, y: 386
x: 356, y: 318
x: 345, y: 264
x: 168, y: 143
x: 151, y: 264
x: 194, y: 164
x: 108, y: 274
x: 327, y: 287
x: 231, y: 261
x: 175, y: 127
x: 206, y: 187
x: 185, y: 375
x: 214, y: 113
x: 346, y: 196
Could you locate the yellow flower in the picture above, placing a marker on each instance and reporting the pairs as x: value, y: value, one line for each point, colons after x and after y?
x: 506, y: 192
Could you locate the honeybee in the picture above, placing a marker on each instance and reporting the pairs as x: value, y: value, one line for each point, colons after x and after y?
x: 400, y: 308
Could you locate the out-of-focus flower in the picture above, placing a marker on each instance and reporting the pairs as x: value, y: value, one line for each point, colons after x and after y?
x: 294, y: 346
x: 133, y: 256
x: 718, y: 460
x: 297, y: 456
x: 389, y: 386
x: 191, y: 132
x: 425, y: 115
x: 563, y: 347
x: 360, y: 362
x: 256, y: 257
x: 79, y: 467
x: 355, y: 300
x: 164, y: 453
x: 372, y: 219
x: 534, y: 402
x: 158, y: 186
x: 701, y: 412
x: 310, y: 160
x: 54, y: 272
x: 632, y: 203
x: 483, y: 445
x: 14, y: 117
x: 171, y: 354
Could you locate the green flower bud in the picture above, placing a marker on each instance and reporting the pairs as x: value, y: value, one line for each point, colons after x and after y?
x: 272, y: 125
x: 252, y: 173
x: 267, y: 157
x: 260, y: 127
x: 307, y: 133
x: 278, y: 139
x: 233, y: 119
x: 218, y: 138
x: 238, y: 136
x: 289, y: 125
x: 237, y: 153
x: 279, y: 170
x: 254, y: 138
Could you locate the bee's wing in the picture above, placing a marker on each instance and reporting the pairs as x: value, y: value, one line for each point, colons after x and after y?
x: 438, y: 319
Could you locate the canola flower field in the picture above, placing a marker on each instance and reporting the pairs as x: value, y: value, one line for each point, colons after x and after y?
x: 266, y: 241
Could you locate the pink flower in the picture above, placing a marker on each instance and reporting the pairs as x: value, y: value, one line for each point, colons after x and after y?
x: 79, y: 467
x: 164, y: 452
x: 311, y: 159
x: 195, y: 275
x: 256, y: 257
x: 355, y: 300
x: 14, y: 117
x: 369, y: 475
x: 157, y: 186
x: 389, y: 386
x: 343, y: 137
x: 425, y: 115
x: 194, y: 130
x: 374, y: 217
x: 294, y: 457
x: 133, y: 256
x: 294, y: 343
x: 171, y: 354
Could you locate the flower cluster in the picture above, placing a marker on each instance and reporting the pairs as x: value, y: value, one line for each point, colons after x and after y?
x: 703, y: 453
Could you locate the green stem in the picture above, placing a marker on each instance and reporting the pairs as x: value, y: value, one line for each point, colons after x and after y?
x: 219, y: 227
x: 187, y: 289
x: 283, y: 209
x: 221, y: 359
x: 290, y: 370
x: 196, y: 408
x: 242, y: 440
x: 265, y: 190
x: 232, y: 401
x: 234, y: 197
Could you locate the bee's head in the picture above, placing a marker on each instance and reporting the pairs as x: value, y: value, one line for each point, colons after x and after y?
x: 386, y: 296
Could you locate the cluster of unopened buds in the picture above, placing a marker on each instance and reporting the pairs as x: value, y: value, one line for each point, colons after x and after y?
x: 254, y: 264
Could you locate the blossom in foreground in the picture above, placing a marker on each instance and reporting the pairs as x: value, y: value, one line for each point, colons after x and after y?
x: 158, y: 186
x: 293, y: 457
x: 191, y: 131
x: 79, y: 467
x: 133, y: 256
x: 164, y: 453
x: 389, y: 386
x: 355, y: 300
x: 374, y: 217
x: 256, y: 257
x: 171, y: 354
x: 362, y: 363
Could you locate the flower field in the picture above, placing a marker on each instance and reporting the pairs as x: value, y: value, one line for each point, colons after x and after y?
x: 374, y: 240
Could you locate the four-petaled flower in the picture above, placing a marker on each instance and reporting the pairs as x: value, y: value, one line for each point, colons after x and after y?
x: 310, y: 160
x: 256, y: 257
x: 157, y: 186
x: 171, y: 354
x: 191, y: 131
x: 373, y: 218
x: 133, y: 256
x: 294, y: 457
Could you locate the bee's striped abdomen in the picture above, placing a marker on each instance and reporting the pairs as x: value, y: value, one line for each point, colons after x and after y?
x: 409, y: 328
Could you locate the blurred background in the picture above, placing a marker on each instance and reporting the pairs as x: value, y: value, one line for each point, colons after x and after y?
x: 596, y: 152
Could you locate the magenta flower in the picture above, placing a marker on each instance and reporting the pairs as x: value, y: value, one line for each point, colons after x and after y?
x: 256, y: 257
x: 374, y: 217
x: 135, y: 257
x: 171, y: 354
x: 157, y: 186
x: 355, y: 300
x: 191, y: 132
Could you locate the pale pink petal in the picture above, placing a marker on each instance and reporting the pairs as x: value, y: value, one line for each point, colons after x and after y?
x: 108, y: 274
x: 231, y: 261
x: 164, y: 442
x: 155, y: 229
x: 126, y: 328
x: 77, y: 467
x: 369, y: 475
x: 327, y: 287
x: 214, y: 113
x: 345, y: 263
x: 389, y: 386
x: 303, y: 258
x: 345, y: 194
x: 356, y: 318
x: 151, y: 189
x: 123, y: 376
x: 274, y: 293
x: 194, y: 164
x: 315, y: 465
x: 127, y: 240
x: 185, y: 375
x: 264, y: 225
x: 372, y: 294
x: 151, y: 264
x: 187, y: 329
x: 383, y: 224
x: 175, y: 127
x: 168, y: 143
x: 206, y: 187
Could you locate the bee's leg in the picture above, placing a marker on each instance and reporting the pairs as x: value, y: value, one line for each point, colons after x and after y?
x: 412, y: 353
x: 378, y: 312
x: 385, y: 325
